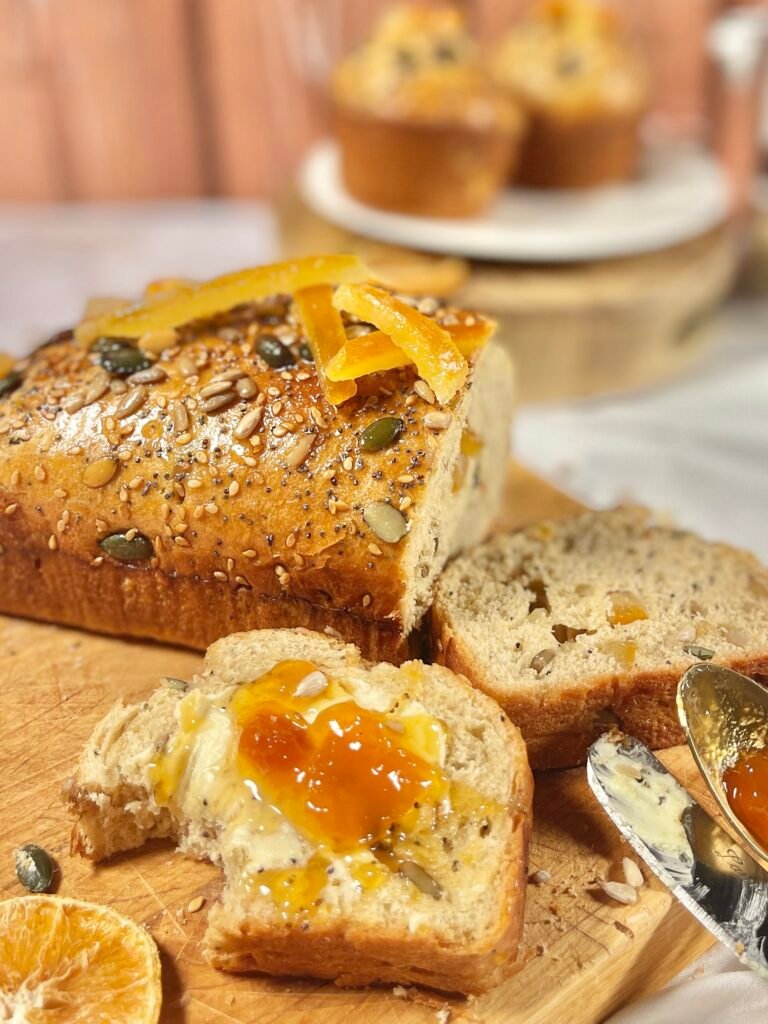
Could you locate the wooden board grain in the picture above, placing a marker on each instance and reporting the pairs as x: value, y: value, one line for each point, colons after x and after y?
x: 583, y: 956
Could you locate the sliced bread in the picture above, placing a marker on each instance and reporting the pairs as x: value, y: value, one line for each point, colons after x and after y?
x: 576, y: 625
x: 350, y: 884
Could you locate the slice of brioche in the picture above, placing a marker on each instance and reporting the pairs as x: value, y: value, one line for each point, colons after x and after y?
x: 576, y: 625
x: 456, y: 930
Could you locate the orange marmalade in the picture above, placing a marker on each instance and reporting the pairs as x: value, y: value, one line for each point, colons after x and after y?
x: 311, y: 794
x: 746, y: 787
x: 345, y: 777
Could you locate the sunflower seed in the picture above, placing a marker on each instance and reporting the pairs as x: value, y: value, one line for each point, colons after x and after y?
x: 311, y: 685
x: 621, y: 892
x: 300, y: 451
x: 216, y: 388
x: 34, y: 867
x: 151, y: 375
x: 218, y: 402
x: 131, y: 403
x: 249, y: 423
x: 179, y: 417
x: 632, y: 874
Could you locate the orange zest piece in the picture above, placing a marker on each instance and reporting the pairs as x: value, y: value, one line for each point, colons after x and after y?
x: 222, y: 293
x: 375, y: 352
x: 325, y: 333
x: 428, y: 345
x: 75, y: 962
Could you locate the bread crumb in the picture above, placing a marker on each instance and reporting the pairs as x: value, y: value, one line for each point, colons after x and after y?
x: 399, y: 992
x: 443, y: 1015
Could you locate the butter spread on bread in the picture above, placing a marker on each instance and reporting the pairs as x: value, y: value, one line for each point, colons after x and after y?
x: 371, y: 821
x: 233, y: 454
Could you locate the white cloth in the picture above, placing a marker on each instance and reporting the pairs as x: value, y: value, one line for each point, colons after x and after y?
x: 716, y: 989
x: 696, y: 448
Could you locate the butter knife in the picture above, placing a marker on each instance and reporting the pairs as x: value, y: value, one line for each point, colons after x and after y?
x: 717, y: 881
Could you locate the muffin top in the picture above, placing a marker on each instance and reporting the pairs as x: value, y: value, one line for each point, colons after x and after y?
x: 571, y: 56
x: 421, y: 64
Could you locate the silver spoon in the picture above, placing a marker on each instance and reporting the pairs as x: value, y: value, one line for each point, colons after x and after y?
x: 723, y: 714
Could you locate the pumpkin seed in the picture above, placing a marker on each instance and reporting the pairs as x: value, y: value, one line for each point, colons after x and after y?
x: 120, y: 357
x: 387, y: 522
x: 34, y: 868
x: 117, y: 545
x: 305, y: 353
x: 381, y: 433
x: 274, y: 352
x: 702, y: 653
x: 9, y: 382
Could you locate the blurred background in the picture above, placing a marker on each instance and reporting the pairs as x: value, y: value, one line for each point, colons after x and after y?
x: 115, y: 99
x: 152, y: 138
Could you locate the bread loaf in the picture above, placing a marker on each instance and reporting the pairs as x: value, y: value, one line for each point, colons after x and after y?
x: 364, y: 882
x: 197, y: 481
x: 578, y: 625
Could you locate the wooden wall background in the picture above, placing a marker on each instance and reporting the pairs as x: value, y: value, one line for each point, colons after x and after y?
x: 141, y: 98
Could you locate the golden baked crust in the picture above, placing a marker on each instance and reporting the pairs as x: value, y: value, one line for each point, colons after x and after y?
x: 263, y: 529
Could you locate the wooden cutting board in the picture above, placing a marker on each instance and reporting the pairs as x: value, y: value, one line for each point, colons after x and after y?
x: 583, y: 956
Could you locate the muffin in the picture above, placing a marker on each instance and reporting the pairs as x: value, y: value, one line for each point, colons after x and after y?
x: 584, y: 89
x: 421, y: 126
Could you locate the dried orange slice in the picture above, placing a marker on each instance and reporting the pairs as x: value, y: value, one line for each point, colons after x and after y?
x: 375, y: 352
x: 73, y: 962
x: 425, y: 342
x: 222, y: 293
x: 325, y: 333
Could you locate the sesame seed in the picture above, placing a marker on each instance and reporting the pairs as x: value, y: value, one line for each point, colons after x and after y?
x: 328, y: 474
x: 249, y: 553
x: 40, y: 473
x: 195, y: 904
x: 135, y: 483
x: 405, y: 502
x: 374, y: 549
x: 290, y: 540
x: 298, y: 559
x: 123, y: 493
x: 348, y: 463
x: 184, y: 438
x: 15, y: 478
x: 202, y: 456
x: 53, y: 542
x: 211, y: 508
x: 273, y: 392
x: 276, y: 408
x: 280, y: 431
x: 219, y: 575
x: 233, y: 488
x: 101, y: 525
x: 181, y: 541
x: 97, y: 560
x: 249, y: 460
x: 10, y: 509
x: 406, y: 478
x: 130, y: 534
x: 315, y: 415
x: 60, y: 493
x: 366, y: 600
x: 193, y: 484
x: 242, y: 581
x: 230, y: 564
x: 125, y: 456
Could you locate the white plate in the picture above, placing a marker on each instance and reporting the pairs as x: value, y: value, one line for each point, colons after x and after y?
x: 680, y: 194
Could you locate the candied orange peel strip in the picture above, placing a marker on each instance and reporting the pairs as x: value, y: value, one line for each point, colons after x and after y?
x: 425, y: 342
x: 375, y: 352
x: 222, y: 293
x: 325, y: 333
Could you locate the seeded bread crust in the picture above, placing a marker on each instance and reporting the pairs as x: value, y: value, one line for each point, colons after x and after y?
x: 258, y: 531
x: 469, y: 951
x: 488, y: 623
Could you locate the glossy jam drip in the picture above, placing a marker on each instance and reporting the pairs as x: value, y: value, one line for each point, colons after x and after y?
x: 746, y: 787
x: 343, y: 778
